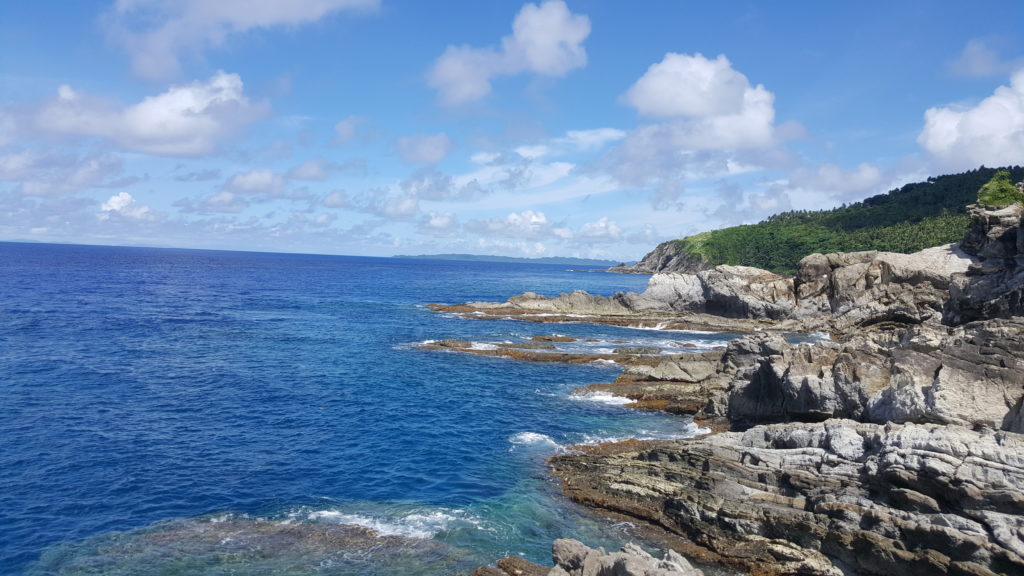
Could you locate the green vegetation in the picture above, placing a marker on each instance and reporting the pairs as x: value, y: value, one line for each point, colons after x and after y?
x: 999, y: 191
x: 907, y: 219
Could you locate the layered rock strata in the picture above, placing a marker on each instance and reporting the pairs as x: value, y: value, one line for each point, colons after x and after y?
x: 895, y: 448
x: 573, y: 558
x: 839, y: 292
x: 666, y: 257
x: 838, y: 497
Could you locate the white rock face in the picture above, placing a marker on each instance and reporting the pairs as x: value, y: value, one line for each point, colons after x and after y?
x: 573, y: 558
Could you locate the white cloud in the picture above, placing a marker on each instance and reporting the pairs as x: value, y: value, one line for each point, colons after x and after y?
x: 124, y: 205
x: 400, y: 207
x: 979, y: 60
x: 336, y: 199
x: 315, y: 170
x: 546, y: 40
x: 424, y: 149
x: 256, y: 182
x: 50, y: 173
x: 709, y: 122
x: 603, y: 230
x: 429, y: 185
x: 156, y: 32
x: 532, y: 152
x: 991, y: 133
x: 684, y: 85
x: 591, y: 139
x: 710, y: 105
x: 439, y: 224
x: 527, y: 224
x: 187, y: 120
x: 346, y: 129
x: 832, y: 179
x: 381, y: 202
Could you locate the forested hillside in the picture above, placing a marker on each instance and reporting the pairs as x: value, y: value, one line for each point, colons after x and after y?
x: 906, y: 219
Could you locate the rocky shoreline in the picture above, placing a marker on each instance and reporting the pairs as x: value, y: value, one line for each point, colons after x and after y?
x: 894, y: 447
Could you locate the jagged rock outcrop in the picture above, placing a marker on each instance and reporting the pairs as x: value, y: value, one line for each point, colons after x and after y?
x: 837, y: 291
x: 895, y: 450
x: 994, y: 232
x: 573, y: 558
x: 666, y: 257
x: 971, y: 377
x: 726, y: 291
x: 860, y: 289
x: 838, y: 497
x: 994, y: 287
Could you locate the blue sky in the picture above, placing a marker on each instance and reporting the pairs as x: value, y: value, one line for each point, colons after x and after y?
x: 576, y: 128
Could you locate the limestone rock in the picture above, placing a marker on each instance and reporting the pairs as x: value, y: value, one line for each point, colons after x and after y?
x: 666, y: 257
x: 865, y: 288
x: 573, y: 558
x: 837, y: 497
x: 994, y: 232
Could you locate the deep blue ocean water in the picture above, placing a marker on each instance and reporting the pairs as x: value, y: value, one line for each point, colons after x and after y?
x: 199, y: 412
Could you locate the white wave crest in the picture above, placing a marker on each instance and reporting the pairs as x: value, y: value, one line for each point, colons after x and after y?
x: 602, y: 397
x: 416, y: 524
x: 535, y: 440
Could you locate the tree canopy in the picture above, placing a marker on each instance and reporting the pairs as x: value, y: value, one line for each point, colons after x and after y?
x: 907, y: 219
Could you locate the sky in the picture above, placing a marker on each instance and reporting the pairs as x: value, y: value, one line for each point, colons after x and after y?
x: 579, y: 128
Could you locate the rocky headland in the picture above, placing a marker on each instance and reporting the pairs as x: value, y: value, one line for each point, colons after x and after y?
x: 895, y: 447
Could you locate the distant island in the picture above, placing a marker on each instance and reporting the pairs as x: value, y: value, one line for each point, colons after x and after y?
x: 565, y: 261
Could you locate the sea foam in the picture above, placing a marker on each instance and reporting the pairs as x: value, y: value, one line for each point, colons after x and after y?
x: 602, y: 397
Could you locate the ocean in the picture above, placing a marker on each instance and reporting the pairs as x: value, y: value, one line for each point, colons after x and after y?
x: 202, y: 412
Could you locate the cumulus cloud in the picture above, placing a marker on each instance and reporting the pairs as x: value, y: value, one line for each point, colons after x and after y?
x: 315, y: 170
x: 525, y: 224
x: 832, y: 179
x: 51, y: 173
x: 979, y: 60
x: 186, y: 120
x: 547, y: 40
x: 713, y: 106
x: 336, y: 199
x: 124, y: 205
x: 707, y: 121
x: 439, y: 224
x: 991, y: 132
x: 381, y: 202
x: 256, y: 182
x: 346, y: 129
x: 603, y: 230
x: 428, y: 185
x: 157, y: 32
x: 424, y: 149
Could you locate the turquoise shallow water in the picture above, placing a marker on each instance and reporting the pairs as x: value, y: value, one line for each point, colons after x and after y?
x: 194, y: 412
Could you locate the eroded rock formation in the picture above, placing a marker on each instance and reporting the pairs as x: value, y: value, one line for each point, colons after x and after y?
x: 894, y: 448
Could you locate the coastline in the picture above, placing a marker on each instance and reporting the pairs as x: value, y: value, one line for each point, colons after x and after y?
x: 892, y: 447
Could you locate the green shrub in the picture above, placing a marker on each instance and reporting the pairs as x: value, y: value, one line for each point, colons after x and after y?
x: 916, y: 216
x: 999, y: 191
